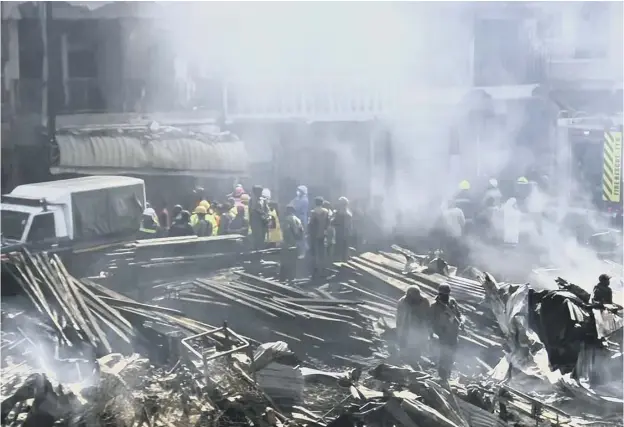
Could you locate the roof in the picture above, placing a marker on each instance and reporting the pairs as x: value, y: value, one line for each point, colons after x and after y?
x: 171, y: 152
x: 60, y: 188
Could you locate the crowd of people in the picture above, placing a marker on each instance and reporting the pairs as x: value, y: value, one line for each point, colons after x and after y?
x: 489, y: 217
x: 319, y: 233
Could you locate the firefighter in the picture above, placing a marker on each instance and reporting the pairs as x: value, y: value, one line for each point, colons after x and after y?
x: 464, y: 200
x: 317, y: 230
x: 202, y: 226
x: 293, y: 236
x: 413, y: 313
x: 446, y: 321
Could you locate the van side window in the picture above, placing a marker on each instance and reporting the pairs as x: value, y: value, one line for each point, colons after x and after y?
x: 42, y: 228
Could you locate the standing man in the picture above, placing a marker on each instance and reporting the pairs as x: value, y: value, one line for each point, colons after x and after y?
x: 258, y: 218
x: 413, y: 313
x: 446, y: 323
x: 202, y: 226
x: 317, y: 230
x: 302, y: 209
x: 293, y: 232
x: 343, y: 226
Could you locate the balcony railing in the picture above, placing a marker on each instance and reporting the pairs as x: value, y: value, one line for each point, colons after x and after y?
x: 308, y: 99
x: 81, y: 95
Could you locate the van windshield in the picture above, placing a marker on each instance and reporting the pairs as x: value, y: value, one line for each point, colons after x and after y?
x: 13, y: 224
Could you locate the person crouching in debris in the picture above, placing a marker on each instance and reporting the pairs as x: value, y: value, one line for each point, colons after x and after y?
x: 413, y: 313
x: 317, y: 229
x: 202, y: 226
x: 343, y: 226
x: 446, y: 321
x: 602, y: 294
x: 181, y: 225
x: 149, y: 228
x: 293, y: 232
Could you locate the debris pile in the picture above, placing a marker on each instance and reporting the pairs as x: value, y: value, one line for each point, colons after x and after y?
x: 75, y: 352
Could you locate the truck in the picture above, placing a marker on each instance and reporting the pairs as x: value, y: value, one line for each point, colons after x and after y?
x: 589, y: 151
x: 72, y: 216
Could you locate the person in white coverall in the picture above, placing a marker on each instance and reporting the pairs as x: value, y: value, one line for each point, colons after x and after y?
x: 511, y: 222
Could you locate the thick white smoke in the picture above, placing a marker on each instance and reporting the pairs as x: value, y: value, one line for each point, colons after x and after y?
x: 419, y: 58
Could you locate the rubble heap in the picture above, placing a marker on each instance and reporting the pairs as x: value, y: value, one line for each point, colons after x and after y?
x: 75, y: 352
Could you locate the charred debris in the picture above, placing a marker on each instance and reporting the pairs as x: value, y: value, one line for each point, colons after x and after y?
x: 210, y: 337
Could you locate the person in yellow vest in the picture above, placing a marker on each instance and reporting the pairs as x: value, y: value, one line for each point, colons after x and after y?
x: 209, y: 217
x: 149, y: 228
x: 274, y: 235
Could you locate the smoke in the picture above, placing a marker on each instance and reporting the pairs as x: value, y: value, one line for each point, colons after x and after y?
x: 411, y: 67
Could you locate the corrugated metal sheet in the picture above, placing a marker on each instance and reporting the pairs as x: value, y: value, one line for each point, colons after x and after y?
x: 131, y: 154
x: 478, y: 417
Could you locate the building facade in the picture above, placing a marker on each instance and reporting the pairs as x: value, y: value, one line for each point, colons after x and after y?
x: 459, y: 81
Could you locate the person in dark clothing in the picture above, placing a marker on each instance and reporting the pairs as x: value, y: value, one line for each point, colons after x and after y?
x: 226, y: 218
x: 181, y: 226
x: 330, y: 235
x: 603, y: 294
x: 258, y: 218
x: 446, y: 322
x: 149, y: 229
x: 202, y: 227
x: 343, y: 226
x: 293, y: 234
x: 239, y: 224
x: 317, y: 230
x: 413, y: 312
x: 175, y: 213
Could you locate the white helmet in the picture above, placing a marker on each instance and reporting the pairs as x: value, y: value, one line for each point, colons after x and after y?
x: 149, y: 212
x: 266, y: 193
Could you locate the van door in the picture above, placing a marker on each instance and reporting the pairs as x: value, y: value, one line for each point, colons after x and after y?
x: 42, y: 229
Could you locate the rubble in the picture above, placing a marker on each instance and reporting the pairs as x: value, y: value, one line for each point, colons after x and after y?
x: 77, y: 352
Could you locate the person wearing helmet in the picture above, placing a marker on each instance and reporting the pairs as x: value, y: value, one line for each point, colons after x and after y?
x: 492, y: 193
x: 464, y: 200
x: 181, y: 225
x: 602, y: 294
x: 202, y: 226
x: 293, y: 233
x: 413, y: 311
x: 446, y: 321
x: 149, y: 228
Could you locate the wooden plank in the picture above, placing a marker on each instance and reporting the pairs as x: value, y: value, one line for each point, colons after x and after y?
x: 74, y: 304
x: 96, y: 299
